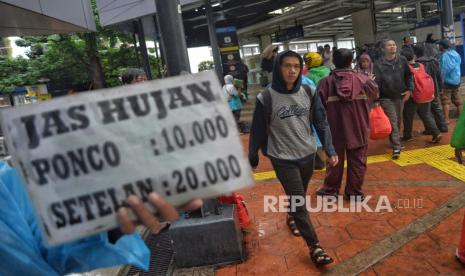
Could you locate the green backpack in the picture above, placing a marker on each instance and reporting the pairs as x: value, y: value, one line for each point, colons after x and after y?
x: 458, y: 136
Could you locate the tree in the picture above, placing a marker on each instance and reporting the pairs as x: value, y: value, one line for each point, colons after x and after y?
x: 89, y: 60
x: 206, y: 65
x: 14, y: 72
x: 94, y: 67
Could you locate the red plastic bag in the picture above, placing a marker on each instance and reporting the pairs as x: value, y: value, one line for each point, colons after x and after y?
x: 242, y: 211
x: 380, y: 126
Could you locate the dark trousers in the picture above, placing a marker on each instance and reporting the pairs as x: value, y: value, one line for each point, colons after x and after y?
x: 436, y: 111
x: 356, y: 169
x: 392, y: 110
x: 423, y: 110
x: 295, y: 177
x: 237, y: 115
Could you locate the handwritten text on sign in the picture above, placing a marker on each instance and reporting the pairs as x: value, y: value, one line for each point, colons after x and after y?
x: 83, y: 155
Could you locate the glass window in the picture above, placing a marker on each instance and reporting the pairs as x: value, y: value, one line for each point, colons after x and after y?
x: 344, y: 44
x: 312, y: 47
x: 247, y: 51
x: 302, y: 47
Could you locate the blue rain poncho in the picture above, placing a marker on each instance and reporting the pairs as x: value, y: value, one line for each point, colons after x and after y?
x: 450, y: 67
x: 23, y: 253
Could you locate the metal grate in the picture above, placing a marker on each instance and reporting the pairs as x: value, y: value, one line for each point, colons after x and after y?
x: 161, y: 257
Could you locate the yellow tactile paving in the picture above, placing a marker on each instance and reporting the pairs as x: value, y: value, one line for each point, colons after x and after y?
x: 450, y: 167
x: 408, y: 158
x: 264, y: 175
x: 437, y: 157
x: 378, y: 158
x: 441, y: 152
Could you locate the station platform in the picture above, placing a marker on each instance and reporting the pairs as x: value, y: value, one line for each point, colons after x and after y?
x: 426, y: 189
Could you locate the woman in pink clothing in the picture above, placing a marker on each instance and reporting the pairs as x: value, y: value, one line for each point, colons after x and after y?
x: 365, y: 65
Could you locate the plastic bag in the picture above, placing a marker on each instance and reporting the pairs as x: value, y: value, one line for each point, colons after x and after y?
x: 241, y: 207
x: 23, y: 253
x: 380, y: 126
x: 458, y: 136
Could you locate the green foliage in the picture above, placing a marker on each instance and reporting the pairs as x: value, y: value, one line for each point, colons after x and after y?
x: 206, y: 65
x: 14, y: 72
x: 63, y: 58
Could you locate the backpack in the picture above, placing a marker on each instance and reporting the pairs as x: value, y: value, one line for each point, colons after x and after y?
x: 267, y: 104
x: 423, y: 91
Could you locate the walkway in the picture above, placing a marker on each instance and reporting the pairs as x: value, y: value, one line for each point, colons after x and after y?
x: 427, y: 191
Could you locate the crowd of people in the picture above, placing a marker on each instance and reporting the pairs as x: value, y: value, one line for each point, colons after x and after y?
x: 330, y: 103
x: 334, y: 98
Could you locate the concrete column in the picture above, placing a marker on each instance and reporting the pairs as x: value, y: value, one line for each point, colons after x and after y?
x: 419, y: 14
x: 265, y: 40
x: 447, y: 20
x: 334, y: 41
x: 364, y: 27
x: 286, y: 45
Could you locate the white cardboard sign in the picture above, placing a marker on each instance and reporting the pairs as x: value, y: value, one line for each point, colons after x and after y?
x: 81, y: 156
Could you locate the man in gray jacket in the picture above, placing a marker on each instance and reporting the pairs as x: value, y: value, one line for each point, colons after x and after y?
x: 395, y: 83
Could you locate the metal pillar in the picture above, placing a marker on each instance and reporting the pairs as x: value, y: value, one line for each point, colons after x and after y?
x: 173, y: 39
x: 134, y: 39
x: 447, y: 20
x: 158, y: 38
x: 143, y: 49
x: 156, y: 41
x: 214, y: 41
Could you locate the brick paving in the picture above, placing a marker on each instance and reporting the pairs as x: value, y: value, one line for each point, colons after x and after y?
x: 273, y: 250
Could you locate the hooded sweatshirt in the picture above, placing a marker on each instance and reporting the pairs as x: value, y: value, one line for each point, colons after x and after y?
x: 289, y: 136
x: 346, y: 96
x: 450, y: 67
x: 368, y: 70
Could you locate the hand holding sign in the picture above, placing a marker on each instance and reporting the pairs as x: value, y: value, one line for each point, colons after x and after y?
x: 83, y: 156
x: 166, y: 211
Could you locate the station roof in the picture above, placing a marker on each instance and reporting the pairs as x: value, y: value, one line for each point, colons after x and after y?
x: 319, y: 18
x: 35, y: 17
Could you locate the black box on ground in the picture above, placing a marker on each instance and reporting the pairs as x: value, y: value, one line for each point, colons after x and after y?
x: 215, y: 239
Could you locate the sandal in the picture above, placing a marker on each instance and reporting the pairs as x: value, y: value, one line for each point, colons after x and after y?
x: 292, y: 226
x: 319, y: 256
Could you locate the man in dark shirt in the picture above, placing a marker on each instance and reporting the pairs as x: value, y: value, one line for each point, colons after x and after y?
x: 423, y: 109
x: 432, y: 68
x: 395, y: 84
